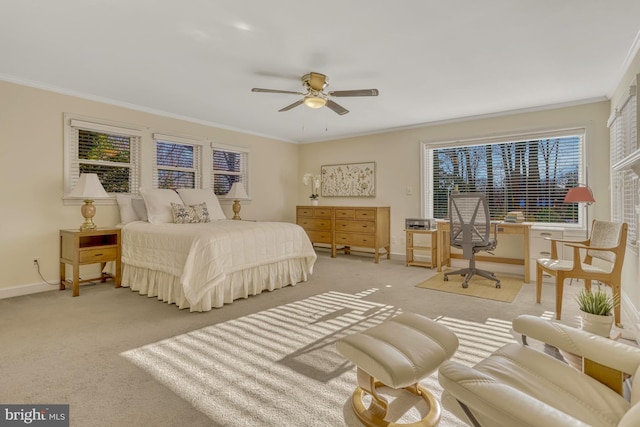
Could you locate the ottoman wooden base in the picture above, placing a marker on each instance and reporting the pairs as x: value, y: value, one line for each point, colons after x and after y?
x: 398, y: 353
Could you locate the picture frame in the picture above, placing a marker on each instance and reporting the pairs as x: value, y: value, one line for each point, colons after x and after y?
x: 349, y: 180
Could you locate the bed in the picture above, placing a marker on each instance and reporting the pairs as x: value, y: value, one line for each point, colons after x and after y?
x: 206, y: 265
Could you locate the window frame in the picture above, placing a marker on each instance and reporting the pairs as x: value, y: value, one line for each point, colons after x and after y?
x: 244, y: 173
x: 427, y: 149
x: 197, y: 145
x: 72, y: 125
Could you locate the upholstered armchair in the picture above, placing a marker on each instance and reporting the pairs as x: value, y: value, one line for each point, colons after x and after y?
x: 521, y: 386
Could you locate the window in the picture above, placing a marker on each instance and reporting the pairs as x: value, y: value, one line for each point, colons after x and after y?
x: 230, y: 164
x: 529, y: 174
x: 625, y: 163
x: 177, y: 162
x: 109, y: 151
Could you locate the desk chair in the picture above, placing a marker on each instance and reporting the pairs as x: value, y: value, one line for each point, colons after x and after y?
x: 470, y: 226
x: 607, y: 244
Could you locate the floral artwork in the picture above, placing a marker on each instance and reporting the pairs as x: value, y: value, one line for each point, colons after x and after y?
x: 349, y: 180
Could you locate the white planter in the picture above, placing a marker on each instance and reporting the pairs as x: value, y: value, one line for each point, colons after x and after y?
x: 596, y: 324
x: 314, y: 202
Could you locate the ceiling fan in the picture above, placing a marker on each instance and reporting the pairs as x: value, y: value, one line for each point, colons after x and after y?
x: 316, y: 97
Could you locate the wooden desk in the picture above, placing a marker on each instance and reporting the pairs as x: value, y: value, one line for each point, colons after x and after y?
x: 522, y: 228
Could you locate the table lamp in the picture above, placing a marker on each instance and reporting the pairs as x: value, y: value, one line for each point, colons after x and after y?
x: 88, y: 189
x: 237, y: 193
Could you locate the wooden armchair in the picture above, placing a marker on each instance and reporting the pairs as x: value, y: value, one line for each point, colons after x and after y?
x: 607, y: 244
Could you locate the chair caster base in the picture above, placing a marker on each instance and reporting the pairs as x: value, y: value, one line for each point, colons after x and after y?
x: 374, y: 415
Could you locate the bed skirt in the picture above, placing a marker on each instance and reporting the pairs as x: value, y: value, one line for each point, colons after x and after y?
x: 241, y: 284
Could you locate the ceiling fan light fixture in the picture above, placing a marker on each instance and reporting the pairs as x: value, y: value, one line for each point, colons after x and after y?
x: 313, y: 101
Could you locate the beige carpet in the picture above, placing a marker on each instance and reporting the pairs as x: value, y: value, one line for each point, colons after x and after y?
x: 279, y: 367
x: 479, y: 287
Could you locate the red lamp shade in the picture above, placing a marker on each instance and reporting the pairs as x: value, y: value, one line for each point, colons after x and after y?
x: 579, y: 195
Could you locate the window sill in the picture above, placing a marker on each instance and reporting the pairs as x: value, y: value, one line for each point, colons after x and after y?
x: 631, y: 162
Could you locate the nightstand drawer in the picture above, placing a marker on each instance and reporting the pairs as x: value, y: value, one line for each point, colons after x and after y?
x: 98, y: 255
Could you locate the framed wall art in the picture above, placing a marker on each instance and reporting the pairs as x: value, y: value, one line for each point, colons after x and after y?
x: 349, y: 180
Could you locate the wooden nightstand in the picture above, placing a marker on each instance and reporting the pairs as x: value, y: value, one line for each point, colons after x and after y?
x: 412, y: 247
x: 89, y: 247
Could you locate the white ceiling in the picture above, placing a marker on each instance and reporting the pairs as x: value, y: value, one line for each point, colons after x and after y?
x: 432, y: 60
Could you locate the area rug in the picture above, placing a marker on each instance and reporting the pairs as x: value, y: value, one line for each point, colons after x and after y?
x: 479, y: 287
x: 279, y: 367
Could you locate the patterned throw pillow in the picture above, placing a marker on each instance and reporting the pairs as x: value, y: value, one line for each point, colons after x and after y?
x: 202, y: 212
x: 189, y: 214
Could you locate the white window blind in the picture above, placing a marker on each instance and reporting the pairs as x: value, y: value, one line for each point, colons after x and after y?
x: 230, y: 164
x: 177, y: 162
x: 623, y: 133
x: 530, y: 174
x: 109, y: 151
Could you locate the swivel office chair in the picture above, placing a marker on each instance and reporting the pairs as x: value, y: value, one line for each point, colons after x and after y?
x: 470, y: 230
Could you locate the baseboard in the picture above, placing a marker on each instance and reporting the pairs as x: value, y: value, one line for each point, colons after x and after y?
x: 20, y: 290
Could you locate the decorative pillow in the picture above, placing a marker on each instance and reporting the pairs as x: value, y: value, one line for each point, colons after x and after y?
x: 158, y: 202
x: 127, y: 213
x: 194, y: 196
x: 189, y: 214
x: 201, y: 212
x: 140, y: 208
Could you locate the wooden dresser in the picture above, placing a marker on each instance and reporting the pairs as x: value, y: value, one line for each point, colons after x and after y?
x: 347, y: 227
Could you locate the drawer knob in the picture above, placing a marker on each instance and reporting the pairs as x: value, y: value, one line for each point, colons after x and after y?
x: 98, y: 254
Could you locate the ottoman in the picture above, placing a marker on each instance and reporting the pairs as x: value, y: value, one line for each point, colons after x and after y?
x: 397, y: 353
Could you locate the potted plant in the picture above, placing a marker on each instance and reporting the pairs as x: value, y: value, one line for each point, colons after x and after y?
x: 596, y: 311
x: 314, y: 180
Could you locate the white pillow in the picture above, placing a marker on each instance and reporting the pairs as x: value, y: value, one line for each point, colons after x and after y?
x: 158, y: 202
x: 127, y: 213
x: 140, y: 208
x: 194, y: 196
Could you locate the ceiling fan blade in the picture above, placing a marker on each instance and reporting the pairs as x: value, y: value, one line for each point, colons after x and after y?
x: 339, y: 109
x: 358, y: 92
x: 290, y: 106
x: 257, y: 89
x: 317, y: 81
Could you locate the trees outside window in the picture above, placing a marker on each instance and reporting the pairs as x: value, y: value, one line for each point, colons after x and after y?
x: 530, y: 175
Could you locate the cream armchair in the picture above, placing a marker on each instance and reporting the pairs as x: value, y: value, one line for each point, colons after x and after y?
x: 520, y: 386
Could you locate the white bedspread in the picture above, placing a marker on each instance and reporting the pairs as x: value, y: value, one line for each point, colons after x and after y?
x: 203, y: 254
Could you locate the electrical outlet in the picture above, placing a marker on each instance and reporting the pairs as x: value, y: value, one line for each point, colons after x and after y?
x: 36, y: 263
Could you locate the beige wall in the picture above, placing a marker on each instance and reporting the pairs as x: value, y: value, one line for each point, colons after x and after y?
x: 31, y: 184
x: 397, y: 157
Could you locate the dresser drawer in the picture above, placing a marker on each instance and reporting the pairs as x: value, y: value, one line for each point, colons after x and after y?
x: 314, y: 224
x: 98, y: 255
x: 343, y: 213
x: 319, y: 236
x: 357, y: 226
x: 322, y: 213
x: 369, y: 214
x: 304, y: 211
x: 356, y: 239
